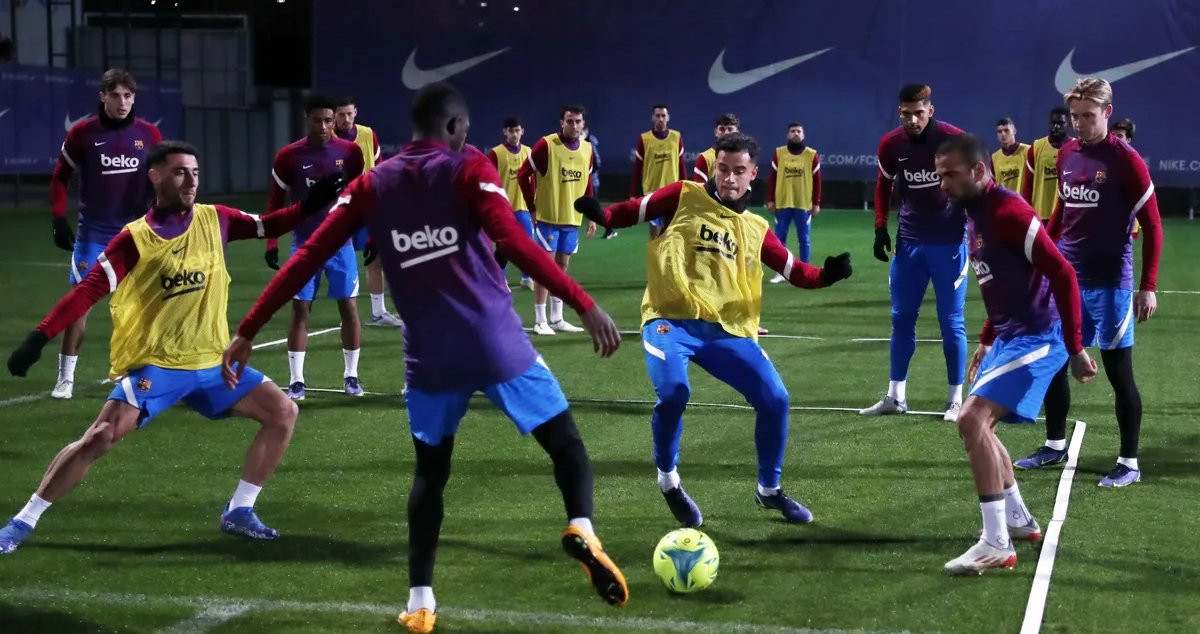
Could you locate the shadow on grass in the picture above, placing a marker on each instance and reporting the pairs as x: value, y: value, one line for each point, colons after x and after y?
x: 20, y: 619
x: 289, y: 548
x: 832, y: 537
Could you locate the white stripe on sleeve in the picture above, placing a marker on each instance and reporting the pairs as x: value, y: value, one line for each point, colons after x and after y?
x: 1142, y: 201
x: 70, y: 161
x: 787, y: 268
x: 642, y: 208
x: 489, y: 187
x: 883, y: 171
x: 1031, y: 237
x: 102, y: 260
x: 278, y: 181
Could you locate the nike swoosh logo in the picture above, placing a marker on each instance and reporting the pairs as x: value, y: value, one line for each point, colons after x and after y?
x: 724, y: 82
x: 1064, y: 78
x: 178, y: 251
x: 4, y: 112
x: 69, y: 123
x: 414, y: 78
x: 306, y: 167
x: 1065, y: 173
x: 99, y: 143
x: 902, y: 159
x: 157, y: 123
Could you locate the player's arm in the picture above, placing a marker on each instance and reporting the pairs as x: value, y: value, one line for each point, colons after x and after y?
x: 72, y: 149
x: 884, y: 184
x: 816, y: 177
x: 661, y: 204
x: 700, y: 172
x: 1027, y: 176
x: 635, y: 177
x: 800, y: 274
x: 277, y: 198
x: 683, y: 175
x: 355, y: 164
x: 1140, y: 189
x: 772, y: 180
x: 240, y: 225
x: 375, y: 144
x: 491, y: 154
x: 533, y: 167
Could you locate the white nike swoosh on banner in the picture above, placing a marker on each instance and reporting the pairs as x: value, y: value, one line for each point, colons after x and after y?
x: 157, y: 123
x: 1064, y: 78
x: 4, y: 112
x: 68, y: 123
x: 724, y: 82
x: 414, y: 77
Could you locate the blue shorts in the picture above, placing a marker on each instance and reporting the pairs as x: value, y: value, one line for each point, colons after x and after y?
x: 557, y: 238
x: 83, y: 259
x: 153, y: 389
x: 359, y: 239
x: 529, y: 400
x: 525, y: 220
x: 1016, y: 373
x: 342, y: 272
x: 1107, y: 317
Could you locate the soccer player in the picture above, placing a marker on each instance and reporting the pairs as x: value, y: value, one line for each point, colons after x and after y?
x: 1008, y: 163
x: 436, y: 210
x: 345, y: 126
x: 1022, y: 278
x: 706, y: 161
x: 170, y: 288
x: 1105, y: 184
x: 296, y: 167
x: 657, y: 160
x: 796, y: 197
x: 703, y: 294
x: 929, y: 246
x: 558, y: 172
x: 508, y: 157
x: 1039, y: 182
x: 109, y: 151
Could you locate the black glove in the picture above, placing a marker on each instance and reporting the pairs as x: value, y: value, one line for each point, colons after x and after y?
x: 883, y: 244
x: 27, y: 353
x: 591, y: 209
x: 272, y: 258
x: 322, y: 194
x: 836, y: 269
x: 369, y: 253
x: 64, y: 238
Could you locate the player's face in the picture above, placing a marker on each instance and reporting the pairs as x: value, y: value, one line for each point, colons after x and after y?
x: 796, y: 134
x: 915, y: 115
x: 457, y: 129
x: 344, y: 116
x: 572, y: 125
x: 660, y: 119
x: 1090, y: 119
x: 1058, y: 125
x: 960, y: 181
x: 176, y: 181
x: 1120, y: 134
x: 118, y: 102
x: 320, y: 124
x: 512, y: 136
x: 735, y: 172
x: 1006, y: 135
x: 723, y: 130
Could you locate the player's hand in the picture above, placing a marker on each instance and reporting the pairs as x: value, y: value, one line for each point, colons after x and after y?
x: 1144, y: 305
x: 605, y: 336
x: 369, y: 253
x: 27, y: 353
x: 816, y: 211
x: 591, y: 230
x: 64, y: 238
x: 772, y: 208
x: 1083, y: 368
x: 883, y: 244
x: 976, y: 360
x: 272, y: 258
x: 234, y: 361
x: 323, y: 193
x: 591, y: 209
x: 836, y: 269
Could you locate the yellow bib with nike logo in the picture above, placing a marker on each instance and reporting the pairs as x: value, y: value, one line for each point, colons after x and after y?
x: 1045, y: 177
x: 566, y: 180
x: 660, y: 163
x: 706, y: 265
x: 364, y: 138
x: 1010, y: 168
x: 794, y: 178
x: 170, y: 310
x: 509, y: 165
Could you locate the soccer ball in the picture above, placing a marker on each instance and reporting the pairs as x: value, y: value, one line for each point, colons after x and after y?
x: 686, y: 560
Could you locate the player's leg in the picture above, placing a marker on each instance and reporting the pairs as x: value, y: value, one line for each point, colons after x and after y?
x: 526, y: 221
x: 342, y: 272
x: 568, y: 244
x: 668, y: 348
x: 1116, y: 352
x: 1057, y: 404
x: 803, y: 231
x: 82, y: 259
x: 907, y: 281
x: 545, y: 235
x: 297, y: 338
x: 948, y: 267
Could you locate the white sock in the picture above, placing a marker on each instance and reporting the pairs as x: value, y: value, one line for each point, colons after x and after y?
x: 556, y: 305
x: 1015, y: 511
x: 767, y: 491
x: 33, y: 510
x: 668, y: 481
x: 351, y: 357
x: 584, y: 524
x: 897, y: 390
x: 377, y: 306
x: 244, y: 495
x: 296, y: 365
x: 995, y: 530
x: 954, y: 395
x: 539, y: 313
x: 1057, y: 445
x: 1129, y: 462
x: 421, y: 598
x: 66, y: 366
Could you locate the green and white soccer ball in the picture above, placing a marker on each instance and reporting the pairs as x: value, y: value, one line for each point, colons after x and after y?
x: 686, y: 560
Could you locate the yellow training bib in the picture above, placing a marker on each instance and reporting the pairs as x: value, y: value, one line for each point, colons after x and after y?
x: 1045, y: 177
x: 508, y: 166
x: 794, y: 178
x: 364, y: 138
x: 1010, y: 169
x: 660, y: 163
x: 566, y: 180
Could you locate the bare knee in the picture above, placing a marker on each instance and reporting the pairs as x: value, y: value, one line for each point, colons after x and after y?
x: 280, y: 412
x: 99, y: 439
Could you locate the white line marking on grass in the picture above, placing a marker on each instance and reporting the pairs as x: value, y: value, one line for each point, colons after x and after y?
x: 507, y: 617
x: 876, y: 339
x: 1036, y: 607
x: 16, y: 400
x: 315, y: 333
x: 1181, y: 292
x: 208, y: 618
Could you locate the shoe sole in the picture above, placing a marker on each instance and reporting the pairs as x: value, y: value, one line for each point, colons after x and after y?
x: 411, y: 628
x: 1007, y: 564
x: 608, y: 582
x: 1118, y: 486
x: 236, y: 531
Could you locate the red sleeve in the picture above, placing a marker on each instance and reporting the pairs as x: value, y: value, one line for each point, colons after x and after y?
x: 111, y: 267
x: 700, y: 172
x: 280, y: 173
x: 1054, y: 223
x: 58, y: 187
x: 772, y: 179
x: 478, y: 185
x: 378, y: 148
x: 635, y: 177
x: 682, y: 163
x: 661, y: 204
x: 591, y: 183
x: 779, y: 259
x: 987, y: 336
x: 356, y: 203
x: 1141, y: 190
x: 356, y: 164
x: 530, y: 170
x: 816, y: 192
x: 1018, y: 227
x: 246, y: 226
x: 1027, y: 177
x: 884, y: 182
x: 155, y: 135
x: 491, y: 154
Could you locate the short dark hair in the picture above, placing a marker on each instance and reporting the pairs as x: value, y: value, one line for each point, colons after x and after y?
x: 728, y: 118
x: 114, y: 77
x: 1127, y: 125
x: 1060, y: 110
x: 572, y: 107
x: 346, y: 100
x: 968, y: 146
x: 738, y: 142
x: 795, y: 125
x: 318, y: 101
x: 659, y: 105
x: 1004, y: 121
x: 512, y: 122
x: 158, y: 154
x: 434, y: 104
x: 915, y: 92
